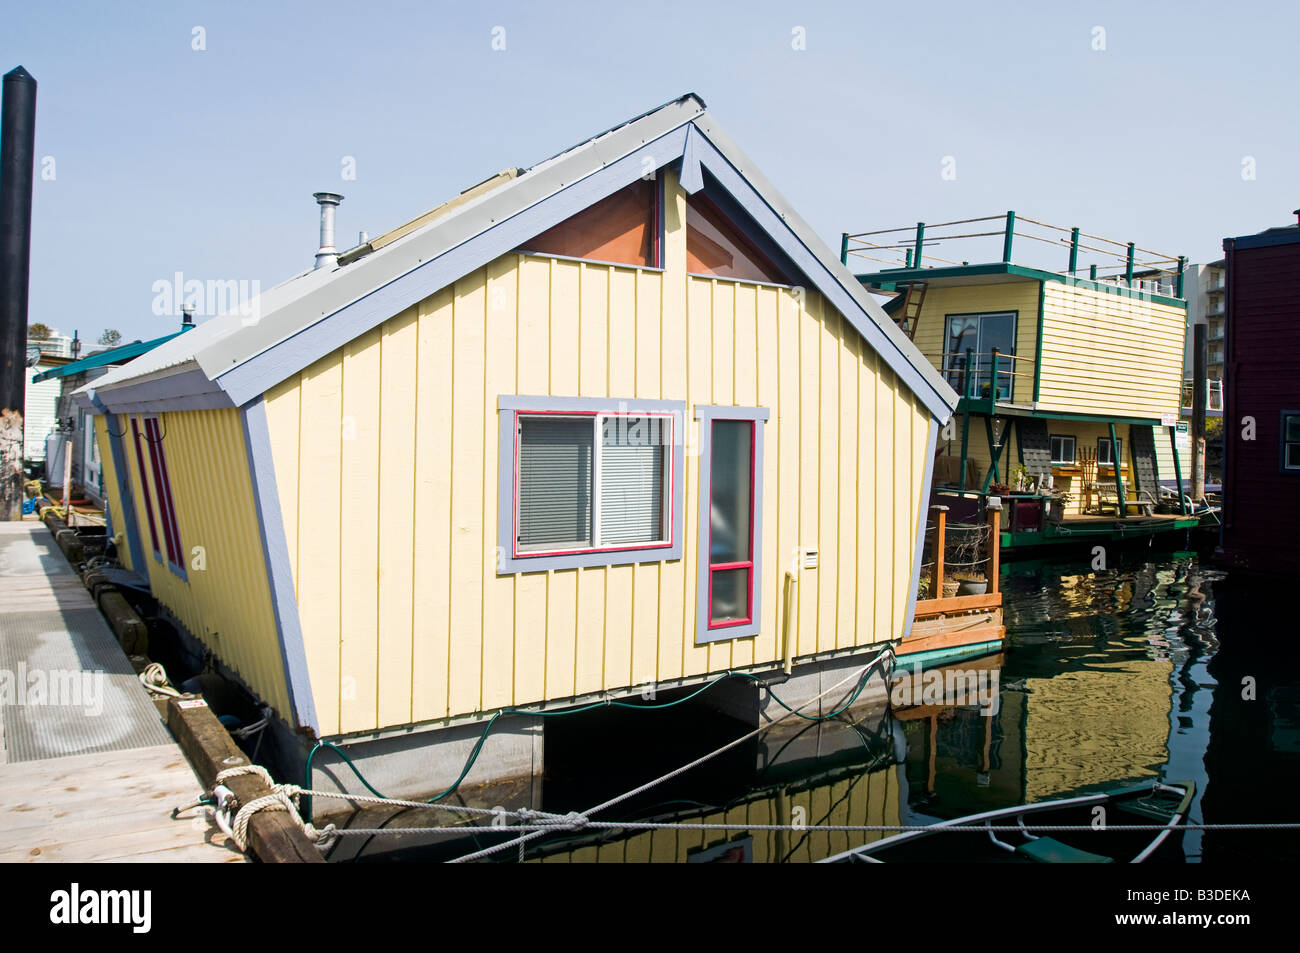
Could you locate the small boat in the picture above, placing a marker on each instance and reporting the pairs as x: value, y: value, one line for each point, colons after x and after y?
x: 1104, y: 841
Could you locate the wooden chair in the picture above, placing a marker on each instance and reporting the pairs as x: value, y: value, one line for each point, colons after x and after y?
x: 1087, y: 478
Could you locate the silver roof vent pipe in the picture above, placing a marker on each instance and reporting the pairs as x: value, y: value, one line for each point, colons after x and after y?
x: 327, y: 255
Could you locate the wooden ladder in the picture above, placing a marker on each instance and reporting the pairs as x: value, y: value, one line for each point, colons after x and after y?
x: 910, y: 312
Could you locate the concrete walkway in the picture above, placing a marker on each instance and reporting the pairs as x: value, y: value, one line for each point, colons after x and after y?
x: 88, y: 771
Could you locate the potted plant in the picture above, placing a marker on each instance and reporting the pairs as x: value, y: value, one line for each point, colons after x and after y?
x: 1056, y: 503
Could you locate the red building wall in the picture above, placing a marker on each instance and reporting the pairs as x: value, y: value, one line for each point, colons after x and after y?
x: 1262, y: 501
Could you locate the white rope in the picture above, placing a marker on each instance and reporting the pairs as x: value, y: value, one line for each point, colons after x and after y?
x: 816, y: 828
x: 154, y: 678
x: 886, y: 653
x: 282, y: 797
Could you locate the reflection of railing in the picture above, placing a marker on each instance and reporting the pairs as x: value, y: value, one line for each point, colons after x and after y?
x: 975, y: 375
x: 1213, y: 394
x: 1118, y: 261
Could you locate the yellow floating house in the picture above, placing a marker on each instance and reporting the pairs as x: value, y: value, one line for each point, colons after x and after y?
x: 1068, y: 379
x: 617, y: 420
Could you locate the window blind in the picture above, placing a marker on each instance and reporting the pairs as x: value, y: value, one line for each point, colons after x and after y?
x: 555, y: 473
x: 631, y: 481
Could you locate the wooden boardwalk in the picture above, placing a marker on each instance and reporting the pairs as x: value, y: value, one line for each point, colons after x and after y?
x: 96, y: 781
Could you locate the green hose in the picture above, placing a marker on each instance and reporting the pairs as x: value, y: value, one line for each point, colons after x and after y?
x: 478, y: 747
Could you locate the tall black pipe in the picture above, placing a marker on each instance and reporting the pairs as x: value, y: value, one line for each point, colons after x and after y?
x: 17, y: 162
x: 1200, y: 355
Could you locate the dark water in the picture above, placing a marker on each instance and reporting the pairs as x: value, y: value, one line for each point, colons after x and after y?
x: 1157, y: 668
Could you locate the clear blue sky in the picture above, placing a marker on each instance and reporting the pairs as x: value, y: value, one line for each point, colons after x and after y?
x: 170, y: 159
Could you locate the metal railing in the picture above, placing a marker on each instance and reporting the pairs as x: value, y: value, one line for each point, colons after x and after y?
x: 1213, y: 394
x: 990, y: 376
x: 912, y: 247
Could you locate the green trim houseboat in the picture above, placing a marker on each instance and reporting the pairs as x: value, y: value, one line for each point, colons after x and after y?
x: 1069, y: 380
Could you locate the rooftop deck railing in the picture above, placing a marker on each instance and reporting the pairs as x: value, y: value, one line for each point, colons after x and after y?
x: 912, y: 247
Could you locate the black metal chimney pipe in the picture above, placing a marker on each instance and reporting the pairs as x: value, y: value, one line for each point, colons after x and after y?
x: 17, y: 161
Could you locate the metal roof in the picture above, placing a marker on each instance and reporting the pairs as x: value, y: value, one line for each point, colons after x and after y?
x: 115, y: 355
x: 313, y: 313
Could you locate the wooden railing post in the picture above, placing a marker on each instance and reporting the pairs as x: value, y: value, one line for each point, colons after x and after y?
x: 995, y: 547
x: 940, y: 544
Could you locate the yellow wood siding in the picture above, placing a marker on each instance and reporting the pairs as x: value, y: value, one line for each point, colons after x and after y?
x: 1109, y: 354
x: 390, y: 484
x: 113, y: 500
x: 226, y: 600
x: 1020, y: 296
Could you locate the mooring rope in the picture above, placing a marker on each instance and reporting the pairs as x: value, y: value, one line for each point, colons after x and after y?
x: 534, y: 824
x: 576, y: 821
x: 863, y: 674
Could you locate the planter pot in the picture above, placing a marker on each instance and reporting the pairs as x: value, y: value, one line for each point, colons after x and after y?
x: 970, y: 587
x: 950, y: 589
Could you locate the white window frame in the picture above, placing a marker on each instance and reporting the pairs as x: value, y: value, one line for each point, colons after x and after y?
x: 1114, y: 457
x: 1074, y: 449
x: 513, y: 408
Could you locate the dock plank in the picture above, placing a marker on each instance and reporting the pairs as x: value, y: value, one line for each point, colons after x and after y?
x: 88, y: 778
x: 105, y: 806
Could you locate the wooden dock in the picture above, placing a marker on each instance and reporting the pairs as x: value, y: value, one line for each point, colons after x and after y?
x: 92, y: 777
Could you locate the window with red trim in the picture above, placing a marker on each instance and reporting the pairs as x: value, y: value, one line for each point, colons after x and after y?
x: 144, y: 486
x: 153, y: 437
x: 731, y: 523
x: 592, y: 482
x: 622, y: 228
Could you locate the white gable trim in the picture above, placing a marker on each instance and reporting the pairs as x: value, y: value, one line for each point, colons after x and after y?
x: 265, y: 370
x: 359, y: 297
x: 830, y: 278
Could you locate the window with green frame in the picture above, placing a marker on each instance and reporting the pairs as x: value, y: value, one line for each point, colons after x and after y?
x: 1291, y: 440
x: 980, y: 334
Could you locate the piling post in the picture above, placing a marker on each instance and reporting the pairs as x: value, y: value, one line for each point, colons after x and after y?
x: 1200, y: 357
x: 994, y: 547
x: 17, y: 161
x: 940, y: 542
